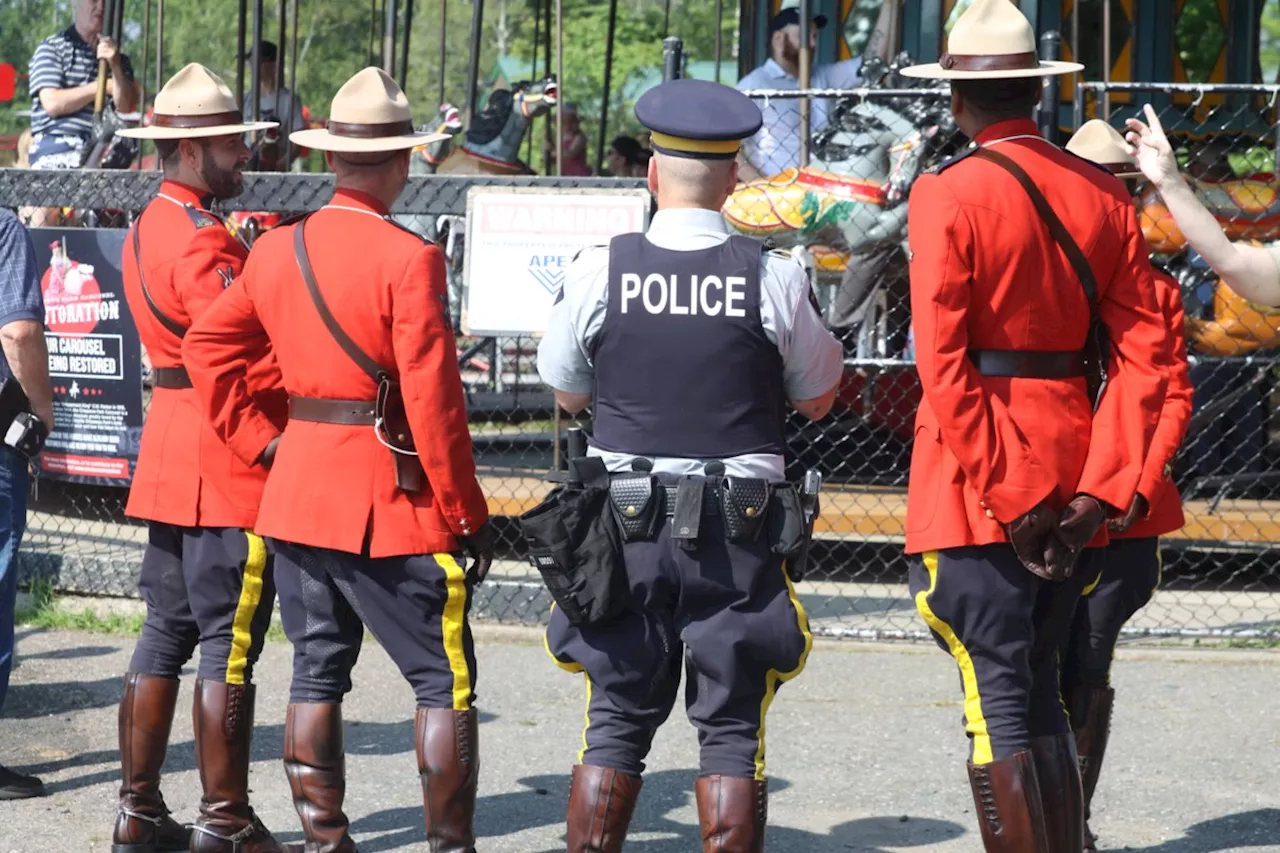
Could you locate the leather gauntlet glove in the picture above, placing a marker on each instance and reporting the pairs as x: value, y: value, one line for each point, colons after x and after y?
x: 480, y: 547
x: 1078, y: 524
x: 268, y: 456
x: 1029, y: 534
x: 1138, y: 509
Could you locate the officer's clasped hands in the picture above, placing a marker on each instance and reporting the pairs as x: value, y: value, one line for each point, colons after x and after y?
x: 1138, y: 510
x: 1031, y: 535
x: 480, y: 547
x: 1077, y: 525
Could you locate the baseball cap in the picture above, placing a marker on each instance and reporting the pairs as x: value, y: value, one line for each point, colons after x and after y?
x: 791, y: 17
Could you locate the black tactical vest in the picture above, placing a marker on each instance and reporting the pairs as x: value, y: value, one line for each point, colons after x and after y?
x: 682, y: 364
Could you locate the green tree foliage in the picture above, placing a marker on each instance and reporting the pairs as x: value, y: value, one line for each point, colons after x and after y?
x: 336, y: 39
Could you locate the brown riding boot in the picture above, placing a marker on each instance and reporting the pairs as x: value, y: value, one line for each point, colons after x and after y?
x: 222, y: 716
x: 316, y: 766
x: 1091, y: 719
x: 733, y: 812
x: 449, y: 765
x: 1059, y: 778
x: 1006, y: 795
x: 146, y: 715
x: 601, y: 802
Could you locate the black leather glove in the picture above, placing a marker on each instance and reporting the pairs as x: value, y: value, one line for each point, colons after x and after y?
x: 1029, y: 534
x: 269, y: 454
x: 480, y: 547
x: 1138, y: 510
x: 1077, y: 525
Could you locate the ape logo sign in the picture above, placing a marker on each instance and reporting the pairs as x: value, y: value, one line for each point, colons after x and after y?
x: 548, y: 271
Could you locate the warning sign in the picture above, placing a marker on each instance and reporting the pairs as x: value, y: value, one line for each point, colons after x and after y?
x: 519, y: 244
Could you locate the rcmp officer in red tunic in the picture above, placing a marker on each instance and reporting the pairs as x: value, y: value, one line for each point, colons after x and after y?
x: 206, y: 576
x: 1015, y: 246
x: 688, y: 343
x: 1130, y: 568
x: 372, y: 495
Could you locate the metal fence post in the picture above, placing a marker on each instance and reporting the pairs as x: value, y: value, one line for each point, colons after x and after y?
x: 672, y: 52
x: 1050, y: 50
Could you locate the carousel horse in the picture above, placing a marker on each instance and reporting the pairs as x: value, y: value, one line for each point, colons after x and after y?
x: 491, y: 145
x: 1221, y: 322
x: 1247, y: 209
x: 429, y: 157
x: 852, y: 198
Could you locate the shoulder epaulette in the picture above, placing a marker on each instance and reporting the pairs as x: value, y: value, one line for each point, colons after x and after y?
x: 406, y: 230
x: 951, y: 161
x: 200, y: 217
x: 585, y: 248
x: 293, y: 220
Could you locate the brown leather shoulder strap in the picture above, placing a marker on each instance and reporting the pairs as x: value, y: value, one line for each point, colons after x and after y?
x: 360, y: 357
x: 165, y: 320
x: 1057, y: 230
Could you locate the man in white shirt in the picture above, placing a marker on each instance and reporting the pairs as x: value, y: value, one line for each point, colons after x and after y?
x: 777, y: 145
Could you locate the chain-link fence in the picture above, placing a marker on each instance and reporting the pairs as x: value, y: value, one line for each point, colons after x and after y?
x: 845, y: 214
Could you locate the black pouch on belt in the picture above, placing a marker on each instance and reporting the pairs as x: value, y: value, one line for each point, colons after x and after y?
x: 575, y: 544
x: 744, y: 503
x: 389, y: 413
x: 637, y: 505
x: 787, y: 528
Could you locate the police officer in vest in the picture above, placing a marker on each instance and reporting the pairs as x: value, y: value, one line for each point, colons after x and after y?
x: 687, y: 343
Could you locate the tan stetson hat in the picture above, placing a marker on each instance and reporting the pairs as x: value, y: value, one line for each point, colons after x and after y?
x: 195, y: 103
x: 369, y: 113
x: 990, y: 41
x: 1100, y: 142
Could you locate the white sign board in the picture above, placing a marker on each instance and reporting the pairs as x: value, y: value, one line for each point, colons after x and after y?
x: 520, y: 242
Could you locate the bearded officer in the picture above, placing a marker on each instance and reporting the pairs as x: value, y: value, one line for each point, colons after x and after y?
x: 1130, y: 567
x: 372, y: 493
x: 206, y: 576
x: 1013, y: 472
x: 687, y: 341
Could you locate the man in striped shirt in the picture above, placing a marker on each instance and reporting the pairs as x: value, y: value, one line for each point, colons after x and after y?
x: 64, y: 82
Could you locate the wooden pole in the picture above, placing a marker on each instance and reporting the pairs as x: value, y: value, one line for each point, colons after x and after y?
x: 559, y: 88
x: 473, y: 66
x: 293, y: 84
x: 255, y: 73
x: 404, y: 49
x: 242, y: 52
x: 608, y: 73
x: 805, y: 66
x: 533, y: 73
x: 389, y: 10
x: 160, y: 44
x: 444, y: 30
x: 281, y: 47
x: 719, y: 28
x: 142, y: 75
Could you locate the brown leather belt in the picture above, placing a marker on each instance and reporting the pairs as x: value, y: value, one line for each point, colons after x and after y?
x: 170, y: 377
x: 322, y: 411
x: 1028, y: 364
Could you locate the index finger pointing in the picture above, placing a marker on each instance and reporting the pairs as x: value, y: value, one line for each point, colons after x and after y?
x: 1153, y: 119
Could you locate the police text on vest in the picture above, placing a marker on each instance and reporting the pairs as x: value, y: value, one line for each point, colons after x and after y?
x: 709, y: 296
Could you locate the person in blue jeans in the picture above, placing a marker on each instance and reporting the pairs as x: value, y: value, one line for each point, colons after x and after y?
x: 27, y: 360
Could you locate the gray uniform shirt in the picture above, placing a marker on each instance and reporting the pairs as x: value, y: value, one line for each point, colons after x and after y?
x: 812, y: 358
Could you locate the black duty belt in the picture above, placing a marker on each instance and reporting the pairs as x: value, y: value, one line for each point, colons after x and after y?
x: 710, y: 505
x: 170, y: 377
x: 1028, y: 364
x: 322, y: 411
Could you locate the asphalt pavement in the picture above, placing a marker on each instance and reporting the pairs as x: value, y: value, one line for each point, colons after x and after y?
x: 866, y: 752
